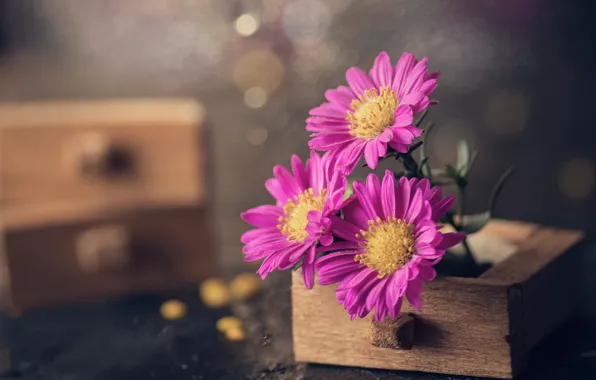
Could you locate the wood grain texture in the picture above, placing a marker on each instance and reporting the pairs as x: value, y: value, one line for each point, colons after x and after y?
x: 449, y: 339
x: 544, y: 293
x: 169, y: 248
x: 41, y: 145
x: 477, y: 327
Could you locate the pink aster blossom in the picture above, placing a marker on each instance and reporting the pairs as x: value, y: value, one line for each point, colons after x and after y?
x: 391, y: 242
x: 376, y: 110
x: 291, y: 230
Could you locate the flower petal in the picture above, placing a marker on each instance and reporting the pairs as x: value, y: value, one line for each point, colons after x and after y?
x: 299, y: 172
x: 382, y: 72
x: 451, y: 239
x: 308, y: 268
x: 402, y: 199
x: 316, y: 175
x: 427, y: 273
x: 342, y: 96
x: 415, y: 207
x: 329, y: 110
x: 442, y: 206
x: 279, y: 192
x: 371, y: 154
x: 286, y: 180
x: 364, y: 200
x: 262, y: 216
x: 354, y: 213
x: 259, y: 233
x: 344, y: 229
x: 402, y: 70
x: 388, y: 194
x: 373, y: 186
x: 330, y: 141
x: 358, y: 80
x: 414, y: 292
x: 416, y: 76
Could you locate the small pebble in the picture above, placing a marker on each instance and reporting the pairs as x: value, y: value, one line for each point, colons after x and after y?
x: 245, y: 286
x: 235, y: 334
x: 214, y: 293
x: 173, y: 309
x: 227, y: 323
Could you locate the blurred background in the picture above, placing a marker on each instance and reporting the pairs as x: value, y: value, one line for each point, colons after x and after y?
x: 517, y: 83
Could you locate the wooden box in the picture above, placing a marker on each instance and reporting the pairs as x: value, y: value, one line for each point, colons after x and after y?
x: 141, y: 152
x: 482, y: 326
x: 101, y: 198
x: 87, y: 252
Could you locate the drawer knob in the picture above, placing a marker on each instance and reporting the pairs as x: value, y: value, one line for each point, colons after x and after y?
x: 103, y: 249
x: 99, y: 157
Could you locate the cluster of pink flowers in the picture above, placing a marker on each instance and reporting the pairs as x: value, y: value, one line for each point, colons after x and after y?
x: 380, y: 244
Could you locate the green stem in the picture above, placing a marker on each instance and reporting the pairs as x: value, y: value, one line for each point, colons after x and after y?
x: 461, y: 204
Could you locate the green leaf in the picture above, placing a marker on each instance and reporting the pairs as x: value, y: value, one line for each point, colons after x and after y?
x: 414, y: 146
x: 422, y: 165
x: 464, y: 172
x: 426, y: 170
x: 498, y: 187
x: 474, y: 222
x: 420, y: 117
x: 451, y: 172
x: 463, y: 156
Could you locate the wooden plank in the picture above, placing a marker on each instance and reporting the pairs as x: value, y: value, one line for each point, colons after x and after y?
x: 101, y: 113
x: 511, y: 231
x: 460, y: 333
x: 540, y: 248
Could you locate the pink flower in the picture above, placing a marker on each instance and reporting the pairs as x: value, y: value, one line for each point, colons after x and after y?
x: 391, y: 244
x: 376, y: 110
x: 290, y: 230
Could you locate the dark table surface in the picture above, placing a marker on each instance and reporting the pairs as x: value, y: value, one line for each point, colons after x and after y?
x: 128, y: 339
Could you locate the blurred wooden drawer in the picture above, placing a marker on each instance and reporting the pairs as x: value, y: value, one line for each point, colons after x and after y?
x: 102, y: 255
x: 120, y: 151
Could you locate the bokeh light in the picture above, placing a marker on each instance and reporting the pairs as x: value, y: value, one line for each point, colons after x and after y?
x: 257, y: 136
x: 577, y: 178
x: 246, y: 25
x: 259, y: 68
x: 255, y: 97
x: 507, y: 112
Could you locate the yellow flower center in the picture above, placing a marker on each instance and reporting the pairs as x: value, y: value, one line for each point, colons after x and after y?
x: 295, y: 219
x: 372, y: 112
x: 388, y: 245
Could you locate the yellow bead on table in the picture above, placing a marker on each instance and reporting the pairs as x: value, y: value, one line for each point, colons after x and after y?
x: 225, y: 324
x: 214, y: 293
x: 245, y: 286
x: 235, y: 334
x: 173, y: 309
